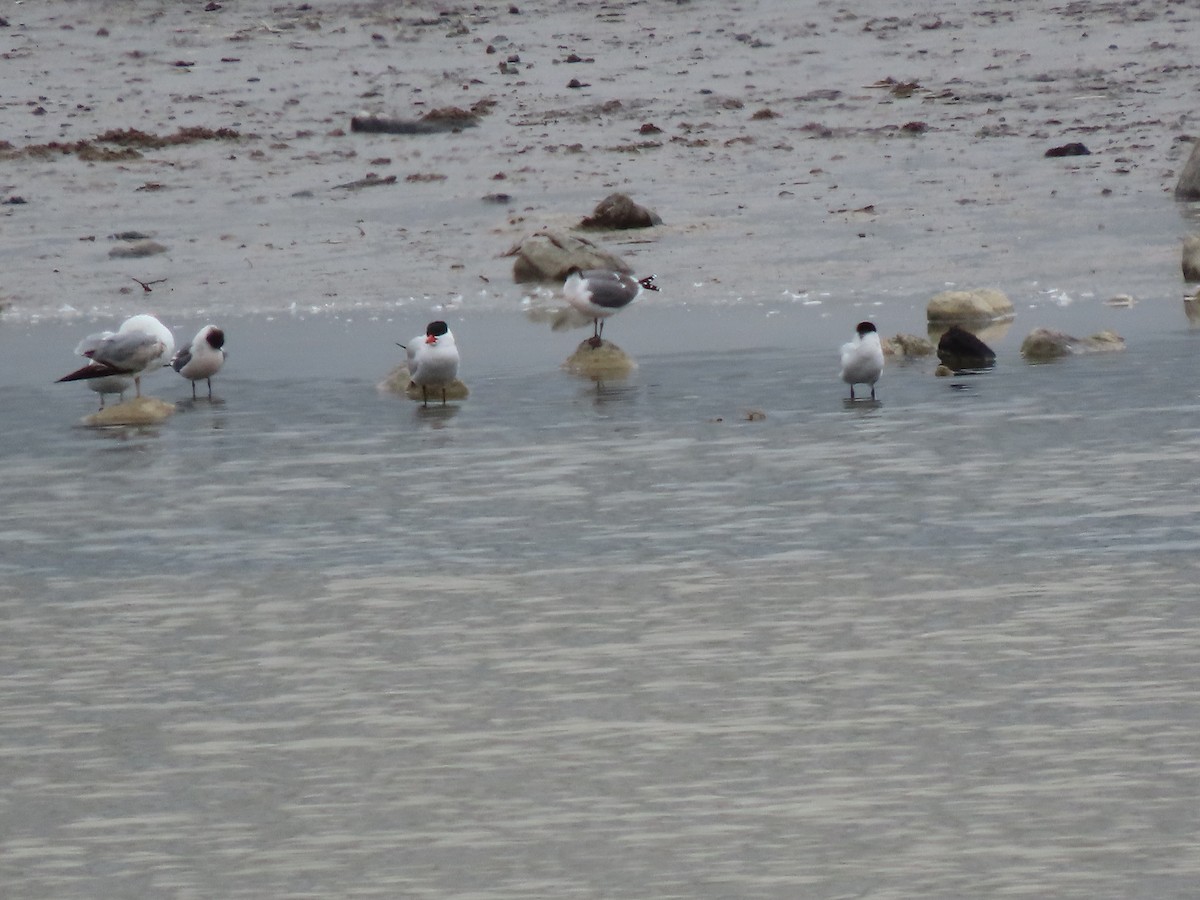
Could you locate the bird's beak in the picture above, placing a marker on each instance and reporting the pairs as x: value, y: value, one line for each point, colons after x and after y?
x: 431, y: 339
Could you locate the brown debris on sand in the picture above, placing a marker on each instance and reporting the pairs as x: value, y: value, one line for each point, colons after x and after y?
x: 436, y: 121
x: 130, y: 142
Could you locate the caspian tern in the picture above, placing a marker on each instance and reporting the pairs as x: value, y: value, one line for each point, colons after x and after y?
x: 600, y: 293
x: 432, y: 359
x: 862, y: 358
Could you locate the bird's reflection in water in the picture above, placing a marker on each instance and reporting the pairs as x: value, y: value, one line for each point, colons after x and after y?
x: 862, y: 405
x: 436, y: 416
x: 609, y: 390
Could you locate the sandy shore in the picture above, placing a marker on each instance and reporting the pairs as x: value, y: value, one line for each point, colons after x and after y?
x: 791, y: 151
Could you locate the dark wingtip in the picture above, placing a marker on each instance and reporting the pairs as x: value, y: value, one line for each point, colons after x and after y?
x: 93, y: 370
x: 648, y: 282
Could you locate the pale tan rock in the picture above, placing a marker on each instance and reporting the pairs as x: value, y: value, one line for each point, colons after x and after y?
x: 138, y: 411
x: 978, y: 305
x: 551, y: 255
x: 1191, y: 258
x: 399, y: 381
x: 1188, y: 185
x: 1047, y: 343
x: 1191, y: 308
x: 907, y: 346
x: 606, y: 361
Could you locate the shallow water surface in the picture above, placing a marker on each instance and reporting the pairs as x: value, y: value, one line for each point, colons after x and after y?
x: 577, y: 640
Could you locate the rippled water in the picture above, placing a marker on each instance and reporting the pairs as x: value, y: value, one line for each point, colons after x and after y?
x: 577, y: 640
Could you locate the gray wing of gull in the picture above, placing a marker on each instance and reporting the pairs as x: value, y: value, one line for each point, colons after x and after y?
x: 89, y: 344
x: 133, y: 351
x: 182, y: 358
x: 611, y: 290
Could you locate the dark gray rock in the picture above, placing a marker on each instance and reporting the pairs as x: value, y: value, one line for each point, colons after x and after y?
x: 959, y: 349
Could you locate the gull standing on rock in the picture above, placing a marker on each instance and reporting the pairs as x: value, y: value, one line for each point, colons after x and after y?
x: 432, y: 360
x: 203, y: 358
x: 142, y: 344
x: 108, y: 384
x: 862, y: 358
x: 600, y: 293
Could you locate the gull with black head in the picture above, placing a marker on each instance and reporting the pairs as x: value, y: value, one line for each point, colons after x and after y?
x: 600, y: 293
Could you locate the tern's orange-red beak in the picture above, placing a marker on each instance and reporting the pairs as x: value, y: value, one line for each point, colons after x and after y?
x: 431, y: 338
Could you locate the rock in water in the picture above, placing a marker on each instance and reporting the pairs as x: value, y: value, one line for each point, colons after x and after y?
x: 139, y: 411
x: 959, y: 349
x: 550, y: 255
x: 618, y: 211
x: 1191, y: 258
x: 907, y: 346
x: 1048, y: 343
x: 606, y: 361
x: 978, y: 305
x: 1188, y: 185
x: 399, y: 381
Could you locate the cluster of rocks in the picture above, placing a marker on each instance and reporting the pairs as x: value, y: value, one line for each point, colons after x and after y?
x: 960, y: 317
x: 551, y: 254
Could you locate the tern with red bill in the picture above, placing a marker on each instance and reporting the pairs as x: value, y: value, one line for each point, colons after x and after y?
x: 432, y: 360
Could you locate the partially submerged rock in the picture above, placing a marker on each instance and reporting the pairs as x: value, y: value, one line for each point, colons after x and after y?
x: 978, y: 305
x: 959, y: 349
x: 139, y: 411
x: 1191, y: 258
x: 550, y: 255
x: 1048, y: 343
x: 1188, y: 185
x: 399, y: 381
x: 606, y: 361
x: 617, y: 212
x: 1191, y: 308
x: 907, y: 346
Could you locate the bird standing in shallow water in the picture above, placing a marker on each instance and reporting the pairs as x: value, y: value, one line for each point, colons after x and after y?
x: 432, y: 360
x: 202, y: 358
x: 862, y: 358
x: 600, y: 293
x: 142, y: 344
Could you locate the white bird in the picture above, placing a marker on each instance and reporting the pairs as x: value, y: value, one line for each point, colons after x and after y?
x: 862, y: 358
x: 203, y: 358
x: 432, y: 359
x: 600, y: 293
x: 142, y: 344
